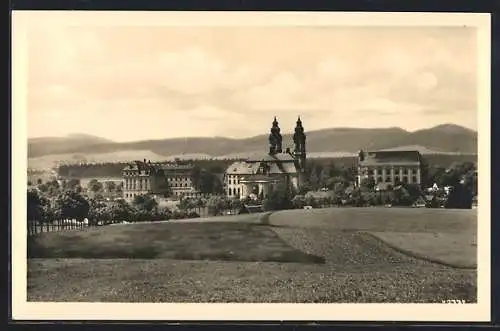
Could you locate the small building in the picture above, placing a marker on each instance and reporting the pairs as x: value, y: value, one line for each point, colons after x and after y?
x: 390, y: 167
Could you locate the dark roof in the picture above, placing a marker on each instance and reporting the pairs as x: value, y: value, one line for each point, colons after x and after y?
x: 259, y: 178
x: 391, y: 157
x: 140, y: 165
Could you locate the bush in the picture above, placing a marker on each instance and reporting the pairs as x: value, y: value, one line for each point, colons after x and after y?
x: 193, y: 214
x: 459, y: 198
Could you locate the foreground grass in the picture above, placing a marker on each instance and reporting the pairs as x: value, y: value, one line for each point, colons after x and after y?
x: 457, y: 250
x: 332, y: 256
x: 161, y: 280
x: 182, y: 241
x: 379, y: 219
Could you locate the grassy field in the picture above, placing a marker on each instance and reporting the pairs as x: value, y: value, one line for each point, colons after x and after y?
x: 329, y: 255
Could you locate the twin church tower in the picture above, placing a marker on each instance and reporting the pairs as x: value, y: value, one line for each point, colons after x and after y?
x: 299, y: 140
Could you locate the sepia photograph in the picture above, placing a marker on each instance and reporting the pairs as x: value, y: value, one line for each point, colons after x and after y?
x: 251, y: 158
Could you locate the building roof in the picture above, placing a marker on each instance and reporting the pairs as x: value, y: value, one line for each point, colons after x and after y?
x: 140, y: 165
x: 259, y: 178
x: 241, y: 168
x: 282, y: 168
x: 391, y: 158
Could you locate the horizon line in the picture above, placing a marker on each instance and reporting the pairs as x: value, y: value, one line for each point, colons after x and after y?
x: 247, y: 137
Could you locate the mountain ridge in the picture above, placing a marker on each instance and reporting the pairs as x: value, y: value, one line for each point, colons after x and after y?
x: 444, y: 138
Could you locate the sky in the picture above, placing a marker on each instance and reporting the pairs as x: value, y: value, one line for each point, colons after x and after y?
x: 139, y: 83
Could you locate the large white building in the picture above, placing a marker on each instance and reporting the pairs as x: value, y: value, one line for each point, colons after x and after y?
x: 390, y: 167
x: 260, y: 175
x: 144, y: 177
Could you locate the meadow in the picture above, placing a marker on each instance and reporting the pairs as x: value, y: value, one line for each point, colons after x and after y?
x: 323, y: 255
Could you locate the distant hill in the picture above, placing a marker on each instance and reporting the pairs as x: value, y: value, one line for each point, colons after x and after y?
x: 62, y: 145
x: 442, y: 139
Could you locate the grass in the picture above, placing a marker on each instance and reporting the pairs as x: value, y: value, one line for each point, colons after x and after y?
x: 379, y: 219
x: 227, y: 241
x: 331, y: 255
x: 456, y: 250
x: 441, y: 236
x: 161, y: 280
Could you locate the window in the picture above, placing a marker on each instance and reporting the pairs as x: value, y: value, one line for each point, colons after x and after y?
x: 414, y: 179
x: 388, y: 179
x: 379, y: 179
x: 396, y: 179
x: 405, y: 179
x: 238, y: 191
x: 388, y: 170
x: 370, y: 172
x: 405, y: 171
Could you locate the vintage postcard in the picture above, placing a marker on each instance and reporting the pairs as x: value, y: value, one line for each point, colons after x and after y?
x: 250, y: 166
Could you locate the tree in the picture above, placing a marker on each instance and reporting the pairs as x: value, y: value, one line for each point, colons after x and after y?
x: 278, y: 199
x: 310, y: 200
x: 333, y: 170
x: 165, y: 188
x: 216, y: 205
x: 298, y: 201
x: 97, y: 212
x: 368, y: 183
x: 35, y: 204
x: 348, y: 174
x: 186, y: 204
x: 72, y: 205
x: 72, y: 185
x: 460, y: 197
x: 51, y: 188
x: 324, y: 176
x: 306, y: 187
x: 95, y: 186
x: 145, y: 203
x: 414, y: 191
x: 402, y: 197
x: 119, y: 188
x: 236, y: 205
x: 110, y: 186
x: 357, y: 198
x: 314, y: 180
x: 195, y: 176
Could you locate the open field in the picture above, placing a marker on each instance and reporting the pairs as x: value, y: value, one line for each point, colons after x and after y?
x: 328, y: 255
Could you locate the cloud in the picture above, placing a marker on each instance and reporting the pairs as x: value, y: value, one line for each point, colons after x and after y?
x: 103, y: 75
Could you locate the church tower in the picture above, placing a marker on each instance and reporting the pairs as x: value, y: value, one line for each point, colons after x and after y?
x: 299, y: 139
x: 275, y: 139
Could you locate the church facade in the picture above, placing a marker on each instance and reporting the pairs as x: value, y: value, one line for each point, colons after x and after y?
x: 258, y: 176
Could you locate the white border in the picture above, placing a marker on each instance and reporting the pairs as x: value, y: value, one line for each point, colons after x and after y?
x: 23, y: 310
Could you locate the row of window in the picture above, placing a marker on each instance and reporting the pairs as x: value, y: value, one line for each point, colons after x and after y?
x: 178, y: 179
x: 180, y: 185
x: 405, y: 171
x: 133, y: 186
x: 388, y: 179
x: 234, y: 181
x: 136, y: 173
x: 234, y: 191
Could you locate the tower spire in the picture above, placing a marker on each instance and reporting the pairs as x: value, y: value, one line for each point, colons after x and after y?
x: 275, y: 138
x: 299, y: 139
